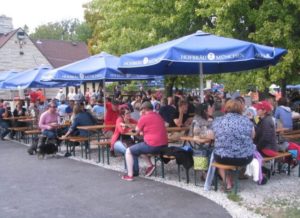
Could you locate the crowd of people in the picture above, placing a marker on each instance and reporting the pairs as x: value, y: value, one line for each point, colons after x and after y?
x: 237, y: 129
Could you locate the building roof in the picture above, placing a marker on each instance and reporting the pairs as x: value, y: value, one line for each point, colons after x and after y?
x: 5, y: 37
x: 60, y: 53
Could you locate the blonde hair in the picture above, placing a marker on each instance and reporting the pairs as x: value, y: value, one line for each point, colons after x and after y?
x: 77, y: 109
x: 233, y: 106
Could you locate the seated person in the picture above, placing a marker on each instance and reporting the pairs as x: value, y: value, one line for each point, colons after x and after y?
x: 48, y: 123
x: 168, y: 111
x: 4, y: 124
x: 181, y: 118
x: 18, y: 112
x: 111, y: 115
x: 152, y: 126
x: 98, y: 109
x: 233, y: 135
x: 283, y: 114
x: 265, y: 132
x: 120, y: 142
x: 81, y: 118
x: 202, y: 122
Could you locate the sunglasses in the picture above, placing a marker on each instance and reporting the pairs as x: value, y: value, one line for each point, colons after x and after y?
x: 53, y: 106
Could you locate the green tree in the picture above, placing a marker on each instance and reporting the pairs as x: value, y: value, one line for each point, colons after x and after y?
x: 124, y: 26
x: 270, y: 22
x: 69, y: 30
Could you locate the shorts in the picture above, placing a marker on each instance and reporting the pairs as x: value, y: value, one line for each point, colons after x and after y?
x: 143, y: 148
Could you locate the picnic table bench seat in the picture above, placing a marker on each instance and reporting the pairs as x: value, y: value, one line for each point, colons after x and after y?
x: 235, y: 169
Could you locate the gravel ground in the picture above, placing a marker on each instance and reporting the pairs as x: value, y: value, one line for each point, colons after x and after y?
x: 278, y: 198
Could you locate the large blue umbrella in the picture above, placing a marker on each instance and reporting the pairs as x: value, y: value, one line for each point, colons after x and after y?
x: 102, y: 66
x: 30, y: 79
x: 199, y: 53
x: 7, y: 74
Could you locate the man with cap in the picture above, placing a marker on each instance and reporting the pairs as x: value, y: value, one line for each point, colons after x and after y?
x: 152, y: 127
x: 265, y: 131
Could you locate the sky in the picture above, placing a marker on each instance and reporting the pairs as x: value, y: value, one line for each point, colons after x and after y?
x: 37, y: 12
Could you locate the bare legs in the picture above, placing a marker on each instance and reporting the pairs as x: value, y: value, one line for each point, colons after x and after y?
x: 228, y: 178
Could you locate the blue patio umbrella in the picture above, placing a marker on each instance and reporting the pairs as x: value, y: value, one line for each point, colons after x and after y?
x: 7, y: 74
x: 293, y: 86
x: 30, y: 79
x: 199, y: 53
x: 102, y: 66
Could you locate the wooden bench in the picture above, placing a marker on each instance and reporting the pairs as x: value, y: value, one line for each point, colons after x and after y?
x: 280, y: 155
x: 80, y: 140
x: 33, y: 133
x: 102, y: 146
x: 291, y: 136
x: 235, y: 169
x: 19, y: 131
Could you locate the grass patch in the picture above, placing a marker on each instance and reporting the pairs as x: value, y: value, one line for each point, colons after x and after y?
x: 234, y: 197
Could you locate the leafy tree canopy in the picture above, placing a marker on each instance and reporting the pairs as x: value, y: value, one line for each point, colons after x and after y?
x: 69, y: 30
x: 124, y: 26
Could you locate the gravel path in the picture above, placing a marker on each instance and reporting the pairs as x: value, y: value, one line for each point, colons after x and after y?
x: 278, y: 198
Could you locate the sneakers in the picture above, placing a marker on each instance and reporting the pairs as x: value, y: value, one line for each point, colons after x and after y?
x: 127, y: 178
x: 149, y: 171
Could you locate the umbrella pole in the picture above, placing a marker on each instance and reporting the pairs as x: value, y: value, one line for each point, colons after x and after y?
x: 201, y: 82
x: 104, y: 98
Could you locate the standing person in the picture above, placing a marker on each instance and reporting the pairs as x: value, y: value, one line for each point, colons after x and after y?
x: 33, y: 95
x: 41, y: 95
x: 60, y: 95
x: 233, y: 135
x: 87, y: 96
x: 72, y: 94
x: 119, y: 141
x: 152, y: 127
x: 117, y: 92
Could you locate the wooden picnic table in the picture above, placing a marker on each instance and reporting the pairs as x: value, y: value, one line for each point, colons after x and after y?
x: 198, y: 140
x: 95, y: 128
x: 16, y: 118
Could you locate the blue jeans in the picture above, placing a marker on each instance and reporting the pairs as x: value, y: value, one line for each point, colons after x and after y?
x: 5, y: 126
x: 50, y: 134
x: 119, y: 147
x: 143, y: 148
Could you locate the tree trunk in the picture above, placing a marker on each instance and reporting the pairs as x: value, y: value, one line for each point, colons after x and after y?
x: 283, y: 89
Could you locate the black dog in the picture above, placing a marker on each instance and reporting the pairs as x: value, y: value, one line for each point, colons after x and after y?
x: 45, y: 149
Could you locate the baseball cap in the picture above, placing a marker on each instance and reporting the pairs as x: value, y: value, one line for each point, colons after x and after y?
x: 263, y: 105
x: 147, y: 105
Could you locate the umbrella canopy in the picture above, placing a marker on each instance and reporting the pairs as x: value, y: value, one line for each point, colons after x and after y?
x: 30, y: 79
x: 184, y: 55
x: 102, y: 66
x: 293, y: 86
x: 201, y: 53
x: 7, y: 74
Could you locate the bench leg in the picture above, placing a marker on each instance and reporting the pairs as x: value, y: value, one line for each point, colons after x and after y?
x: 216, y: 180
x: 178, y: 169
x: 99, y: 153
x: 236, y: 180
x: 107, y: 153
